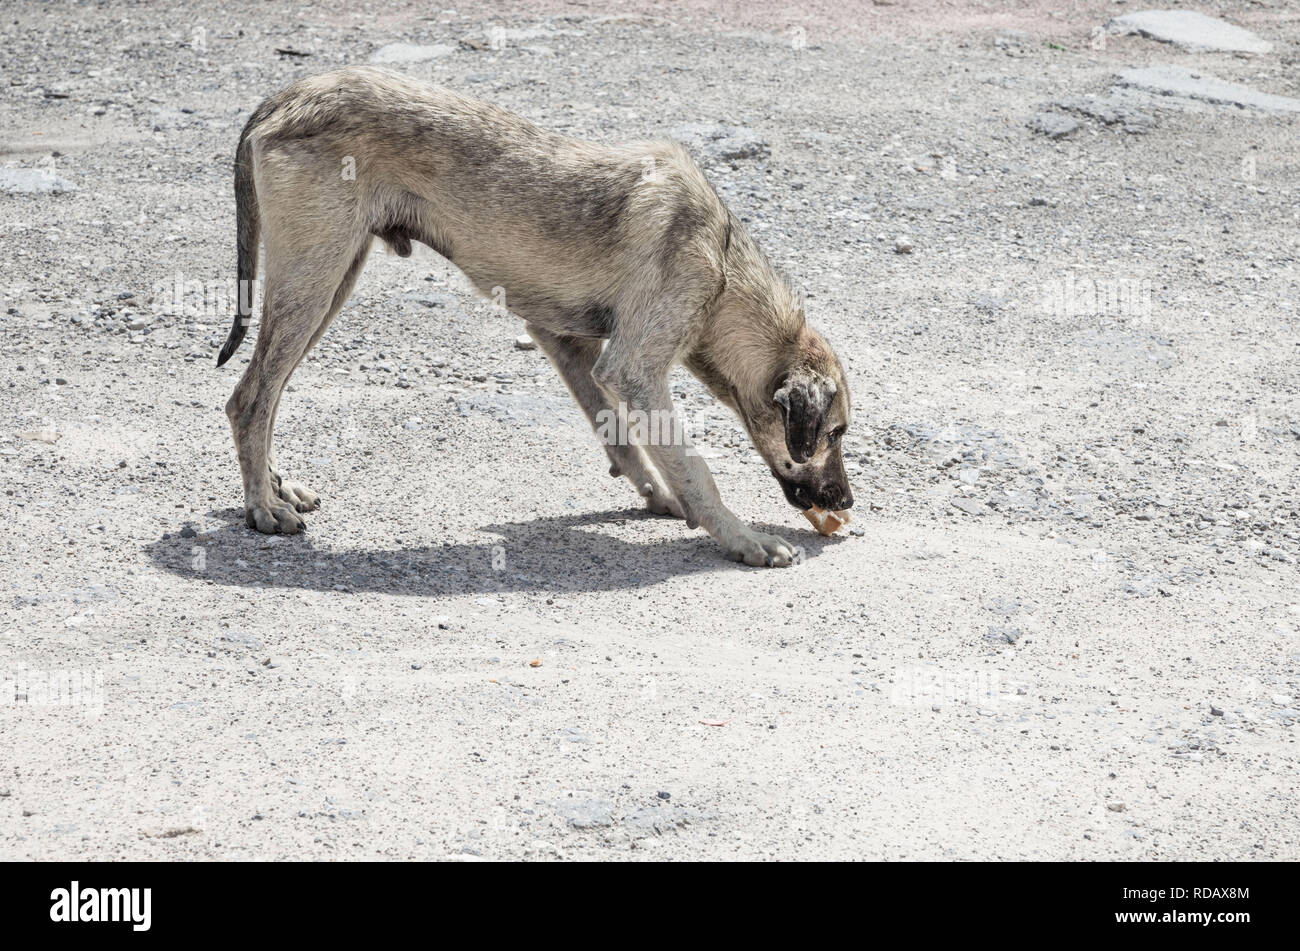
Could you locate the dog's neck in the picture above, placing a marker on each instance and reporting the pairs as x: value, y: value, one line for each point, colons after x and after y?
x: 762, y: 320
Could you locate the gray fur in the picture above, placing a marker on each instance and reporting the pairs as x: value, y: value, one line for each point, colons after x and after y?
x: 590, y: 243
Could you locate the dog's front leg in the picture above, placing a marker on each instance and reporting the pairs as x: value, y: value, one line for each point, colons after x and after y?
x: 645, y: 391
x: 574, y: 358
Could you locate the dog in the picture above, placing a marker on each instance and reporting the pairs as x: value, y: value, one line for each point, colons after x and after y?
x: 622, y: 260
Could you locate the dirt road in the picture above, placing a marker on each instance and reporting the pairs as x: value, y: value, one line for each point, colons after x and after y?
x: 1066, y: 299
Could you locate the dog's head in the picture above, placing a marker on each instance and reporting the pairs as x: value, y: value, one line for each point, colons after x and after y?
x: 798, y: 433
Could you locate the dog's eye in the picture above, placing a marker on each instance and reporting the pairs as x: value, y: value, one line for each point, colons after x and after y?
x: 835, y: 435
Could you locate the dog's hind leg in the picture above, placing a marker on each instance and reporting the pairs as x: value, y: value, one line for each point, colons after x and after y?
x: 295, y: 493
x: 574, y: 358
x: 304, y: 288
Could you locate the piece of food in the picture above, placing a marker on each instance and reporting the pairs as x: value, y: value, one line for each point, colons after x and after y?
x: 826, y: 521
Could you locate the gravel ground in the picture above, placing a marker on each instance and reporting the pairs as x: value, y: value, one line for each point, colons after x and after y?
x: 1065, y: 624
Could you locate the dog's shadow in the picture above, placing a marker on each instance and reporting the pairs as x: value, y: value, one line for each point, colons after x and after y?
x: 555, y: 554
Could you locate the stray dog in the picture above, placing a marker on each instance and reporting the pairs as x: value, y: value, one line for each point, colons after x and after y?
x: 623, y: 261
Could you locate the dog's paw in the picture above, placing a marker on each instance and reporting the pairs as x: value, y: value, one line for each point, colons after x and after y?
x: 276, y: 517
x: 298, y: 495
x: 761, y: 550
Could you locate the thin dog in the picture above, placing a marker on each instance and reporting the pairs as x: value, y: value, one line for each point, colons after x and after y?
x: 623, y: 261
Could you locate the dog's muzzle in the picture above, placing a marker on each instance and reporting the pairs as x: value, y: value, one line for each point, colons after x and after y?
x: 831, y: 495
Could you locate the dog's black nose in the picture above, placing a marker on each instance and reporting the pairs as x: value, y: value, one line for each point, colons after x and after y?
x: 836, y: 497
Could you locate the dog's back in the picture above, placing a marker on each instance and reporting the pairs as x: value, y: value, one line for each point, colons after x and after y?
x: 561, y: 224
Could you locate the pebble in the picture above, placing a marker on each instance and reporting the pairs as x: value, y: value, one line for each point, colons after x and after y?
x: 971, y: 506
x: 586, y: 813
x: 1190, y: 30
x: 723, y: 143
x: 1110, y: 111
x: 1177, y: 81
x: 1003, y: 635
x: 1052, y: 125
x: 32, y: 181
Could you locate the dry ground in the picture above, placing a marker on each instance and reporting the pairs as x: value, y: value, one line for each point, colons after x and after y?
x: 1066, y: 628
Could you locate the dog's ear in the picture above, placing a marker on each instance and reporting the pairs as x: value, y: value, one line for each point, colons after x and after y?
x: 804, y: 397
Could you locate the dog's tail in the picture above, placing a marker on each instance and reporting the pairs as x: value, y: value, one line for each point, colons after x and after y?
x: 248, y: 226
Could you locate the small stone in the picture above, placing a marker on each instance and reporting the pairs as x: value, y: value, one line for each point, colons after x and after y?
x: 1111, y: 111
x: 1115, y: 806
x: 664, y: 795
x: 971, y: 506
x: 431, y: 300
x: 1004, y: 635
x: 586, y: 813
x: 525, y: 342
x: 724, y: 143
x: 1052, y: 125
x: 242, y: 638
x: 1190, y: 30
x: 43, y: 436
x: 31, y: 181
x: 1215, y: 711
x: 1176, y: 81
x: 903, y: 246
